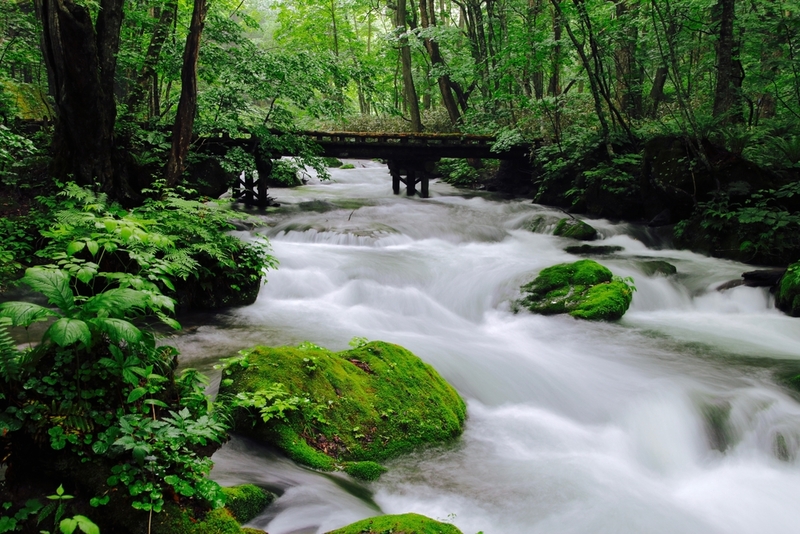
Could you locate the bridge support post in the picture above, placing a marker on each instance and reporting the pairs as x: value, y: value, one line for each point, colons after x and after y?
x: 423, y: 193
x: 248, y: 188
x: 411, y: 181
x: 395, y: 172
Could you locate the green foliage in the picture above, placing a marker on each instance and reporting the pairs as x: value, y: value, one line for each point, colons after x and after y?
x: 368, y: 471
x: 57, y: 506
x: 764, y: 227
x: 98, y: 387
x: 370, y: 403
x: 405, y: 523
x: 458, y: 172
x: 584, y: 289
x: 787, y: 296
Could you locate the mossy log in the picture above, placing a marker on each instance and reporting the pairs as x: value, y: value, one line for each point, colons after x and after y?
x: 584, y: 289
x: 347, y: 410
x: 398, y: 524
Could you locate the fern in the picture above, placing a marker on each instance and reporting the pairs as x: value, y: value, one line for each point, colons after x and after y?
x: 9, y: 355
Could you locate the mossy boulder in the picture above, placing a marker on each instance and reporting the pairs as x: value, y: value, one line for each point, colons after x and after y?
x: 787, y: 296
x: 575, y: 229
x: 347, y: 166
x: 398, y: 524
x: 657, y: 267
x: 584, y: 289
x: 174, y: 520
x: 246, y: 501
x: 347, y: 410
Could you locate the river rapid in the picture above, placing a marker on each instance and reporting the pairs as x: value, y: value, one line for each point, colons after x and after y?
x: 668, y: 421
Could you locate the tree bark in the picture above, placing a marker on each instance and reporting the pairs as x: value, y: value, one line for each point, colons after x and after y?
x: 428, y: 20
x: 187, y: 106
x: 147, y: 73
x: 409, y: 90
x: 727, y: 96
x: 628, y: 71
x: 81, y: 63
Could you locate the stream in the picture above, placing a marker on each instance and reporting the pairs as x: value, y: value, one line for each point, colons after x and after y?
x: 668, y: 421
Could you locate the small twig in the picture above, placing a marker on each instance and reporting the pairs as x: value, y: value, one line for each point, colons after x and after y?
x: 351, y: 214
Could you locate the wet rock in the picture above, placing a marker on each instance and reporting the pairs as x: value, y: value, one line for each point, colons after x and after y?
x: 657, y: 267
x: 584, y: 289
x: 576, y: 229
x: 593, y: 250
x: 763, y: 277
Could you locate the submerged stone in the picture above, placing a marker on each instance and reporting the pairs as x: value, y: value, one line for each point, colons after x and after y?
x: 575, y: 229
x: 787, y: 297
x: 590, y: 250
x: 346, y: 410
x: 657, y: 267
x: 398, y: 524
x: 584, y: 289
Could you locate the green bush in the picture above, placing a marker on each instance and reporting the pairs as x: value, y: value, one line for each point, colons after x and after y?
x: 401, y: 524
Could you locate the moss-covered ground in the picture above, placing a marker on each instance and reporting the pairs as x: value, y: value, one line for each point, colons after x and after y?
x: 246, y: 501
x: 346, y: 410
x: 398, y: 524
x: 583, y: 289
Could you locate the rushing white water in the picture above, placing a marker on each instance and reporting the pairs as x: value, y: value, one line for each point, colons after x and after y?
x: 668, y: 421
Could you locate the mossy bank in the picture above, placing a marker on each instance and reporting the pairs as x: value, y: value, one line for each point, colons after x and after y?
x: 583, y: 289
x: 398, y: 524
x: 347, y: 410
x: 787, y: 296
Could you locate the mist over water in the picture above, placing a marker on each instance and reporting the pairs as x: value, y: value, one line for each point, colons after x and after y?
x: 667, y: 421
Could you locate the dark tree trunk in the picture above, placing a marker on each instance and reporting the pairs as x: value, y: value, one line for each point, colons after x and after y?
x: 409, y: 90
x: 628, y: 71
x: 427, y: 19
x: 657, y: 91
x: 554, y: 85
x: 187, y: 106
x: 81, y: 62
x: 727, y: 96
x: 147, y: 74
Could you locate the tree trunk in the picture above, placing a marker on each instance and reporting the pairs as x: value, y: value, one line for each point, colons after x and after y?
x: 554, y: 86
x: 187, y: 106
x: 628, y: 71
x: 727, y: 96
x: 427, y: 19
x: 81, y: 63
x: 409, y: 90
x: 147, y: 72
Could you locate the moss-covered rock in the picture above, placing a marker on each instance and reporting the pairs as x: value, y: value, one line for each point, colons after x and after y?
x: 343, y: 410
x: 347, y: 166
x: 398, y: 524
x: 787, y: 297
x: 657, y: 267
x: 173, y: 520
x: 575, y: 229
x: 584, y: 289
x: 246, y: 501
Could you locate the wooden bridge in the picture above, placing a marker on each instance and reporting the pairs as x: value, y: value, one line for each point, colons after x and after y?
x: 407, y: 155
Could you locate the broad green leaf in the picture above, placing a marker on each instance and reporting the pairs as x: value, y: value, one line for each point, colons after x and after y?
x: 25, y: 313
x: 110, y: 225
x: 54, y: 285
x: 139, y: 453
x: 67, y: 331
x: 116, y: 302
x: 136, y: 394
x: 93, y: 247
x: 85, y: 274
x: 74, y: 247
x: 85, y: 524
x: 118, y: 329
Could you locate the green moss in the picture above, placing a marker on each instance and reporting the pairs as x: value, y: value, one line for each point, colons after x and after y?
x: 246, y: 501
x: 575, y: 229
x: 787, y: 296
x: 584, y: 289
x: 398, y: 524
x: 173, y: 520
x: 366, y: 404
x: 348, y: 166
x: 332, y: 162
x: 365, y: 470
